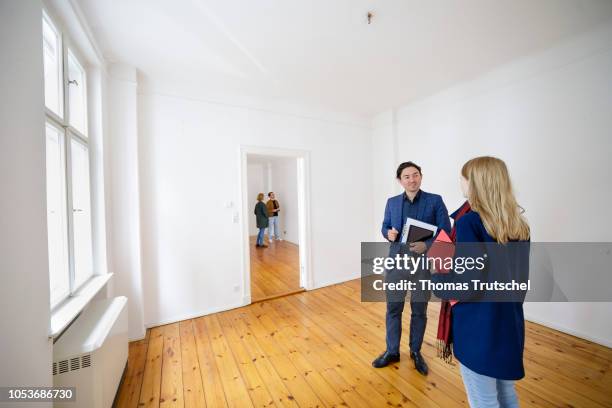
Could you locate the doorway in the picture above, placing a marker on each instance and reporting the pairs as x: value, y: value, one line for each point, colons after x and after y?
x: 280, y: 266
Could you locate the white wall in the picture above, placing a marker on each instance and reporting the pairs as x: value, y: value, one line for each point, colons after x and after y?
x: 284, y: 184
x: 122, y: 174
x: 191, y: 246
x: 385, y: 158
x: 25, y: 350
x: 548, y: 116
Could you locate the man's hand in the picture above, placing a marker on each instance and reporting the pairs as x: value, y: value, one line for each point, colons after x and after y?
x: 418, y: 247
x: 392, y: 234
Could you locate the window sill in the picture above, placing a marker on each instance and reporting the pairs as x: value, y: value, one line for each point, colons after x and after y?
x: 66, y: 312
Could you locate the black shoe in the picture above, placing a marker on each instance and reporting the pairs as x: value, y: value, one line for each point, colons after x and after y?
x: 419, y: 362
x: 385, y: 359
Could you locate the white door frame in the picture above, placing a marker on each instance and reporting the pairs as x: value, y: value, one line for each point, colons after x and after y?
x: 304, y: 231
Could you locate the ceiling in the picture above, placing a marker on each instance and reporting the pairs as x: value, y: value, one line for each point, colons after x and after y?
x: 322, y: 52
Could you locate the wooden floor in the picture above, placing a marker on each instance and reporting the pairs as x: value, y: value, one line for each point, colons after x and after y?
x: 315, y: 348
x: 274, y: 270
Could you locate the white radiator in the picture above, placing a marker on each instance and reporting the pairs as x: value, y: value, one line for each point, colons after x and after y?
x: 91, y: 355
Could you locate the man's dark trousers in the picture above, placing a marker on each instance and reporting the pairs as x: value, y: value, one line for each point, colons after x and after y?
x: 395, y: 308
x: 425, y: 207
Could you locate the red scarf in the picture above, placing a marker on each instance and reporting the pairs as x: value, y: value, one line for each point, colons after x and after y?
x: 444, y: 337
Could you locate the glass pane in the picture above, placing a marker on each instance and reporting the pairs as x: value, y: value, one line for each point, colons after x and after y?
x: 52, y: 57
x: 57, y: 224
x: 77, y: 99
x: 81, y: 213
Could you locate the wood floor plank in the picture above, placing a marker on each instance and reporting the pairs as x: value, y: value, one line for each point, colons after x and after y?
x: 171, y: 391
x: 290, y: 342
x: 129, y: 393
x: 236, y: 393
x: 275, y: 385
x: 211, y: 380
x: 292, y: 378
x: 193, y: 389
x: 326, y: 363
x: 255, y: 385
x: 151, y: 381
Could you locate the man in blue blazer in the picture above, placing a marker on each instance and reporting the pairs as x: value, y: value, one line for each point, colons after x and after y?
x: 426, y: 207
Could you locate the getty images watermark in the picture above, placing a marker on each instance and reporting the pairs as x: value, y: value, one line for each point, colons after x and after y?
x: 459, y: 265
x: 492, y: 272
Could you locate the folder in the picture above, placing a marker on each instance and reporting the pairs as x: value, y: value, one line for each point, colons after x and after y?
x: 441, y: 249
x: 415, y: 231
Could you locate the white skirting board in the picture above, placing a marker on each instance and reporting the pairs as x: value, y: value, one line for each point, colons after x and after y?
x: 563, y: 329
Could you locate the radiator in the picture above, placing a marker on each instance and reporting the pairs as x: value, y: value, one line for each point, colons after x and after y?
x: 92, y: 354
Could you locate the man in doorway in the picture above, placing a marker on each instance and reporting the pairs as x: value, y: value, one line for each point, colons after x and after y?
x: 273, y: 209
x: 422, y: 206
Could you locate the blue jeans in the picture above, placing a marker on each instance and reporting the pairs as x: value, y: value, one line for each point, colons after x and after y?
x: 273, y: 228
x: 488, y: 392
x: 260, y: 236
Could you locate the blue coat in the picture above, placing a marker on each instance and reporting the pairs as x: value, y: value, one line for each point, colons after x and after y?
x: 488, y: 337
x: 431, y: 210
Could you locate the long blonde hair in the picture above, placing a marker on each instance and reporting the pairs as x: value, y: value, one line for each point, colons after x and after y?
x: 490, y: 195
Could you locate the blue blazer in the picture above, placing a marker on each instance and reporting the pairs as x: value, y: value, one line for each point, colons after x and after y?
x: 488, y: 337
x: 431, y: 210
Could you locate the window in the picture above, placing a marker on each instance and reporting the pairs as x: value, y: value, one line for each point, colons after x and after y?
x: 57, y: 214
x: 69, y: 220
x: 81, y: 213
x: 77, y: 106
x: 52, y: 48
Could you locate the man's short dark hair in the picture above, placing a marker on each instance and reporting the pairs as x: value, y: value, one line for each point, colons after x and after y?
x: 270, y: 193
x: 405, y: 165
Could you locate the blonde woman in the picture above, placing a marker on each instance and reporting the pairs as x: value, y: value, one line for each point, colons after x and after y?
x: 488, y: 336
x: 261, y: 215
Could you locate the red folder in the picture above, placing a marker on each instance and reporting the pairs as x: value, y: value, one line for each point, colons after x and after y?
x: 441, y: 249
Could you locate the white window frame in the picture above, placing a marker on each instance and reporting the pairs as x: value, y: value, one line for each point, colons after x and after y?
x: 70, y: 133
x: 58, y: 32
x: 69, y: 49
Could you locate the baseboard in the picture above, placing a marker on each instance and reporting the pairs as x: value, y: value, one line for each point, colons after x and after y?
x: 567, y: 330
x: 279, y: 295
x: 334, y: 282
x: 195, y: 315
x: 130, y: 339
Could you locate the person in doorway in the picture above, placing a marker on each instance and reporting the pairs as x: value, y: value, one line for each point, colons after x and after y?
x: 273, y: 209
x: 261, y: 216
x: 488, y: 337
x: 425, y: 207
